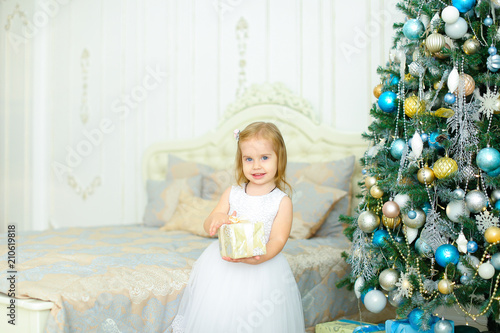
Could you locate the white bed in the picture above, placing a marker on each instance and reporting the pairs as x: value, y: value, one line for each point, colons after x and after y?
x: 308, y: 142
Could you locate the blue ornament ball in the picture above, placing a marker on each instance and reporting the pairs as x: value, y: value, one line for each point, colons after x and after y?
x: 392, y: 80
x: 497, y: 204
x: 364, y: 171
x: 488, y: 159
x: 412, y: 214
x: 464, y: 279
x: 449, y: 98
x: 494, y: 173
x: 387, y: 101
x: 432, y: 141
x: 488, y: 21
x: 413, y: 29
x: 495, y: 261
x: 416, y: 318
x: 492, y: 50
x: 446, y: 254
x: 472, y: 246
x: 380, y: 237
x: 464, y: 6
x: 424, y: 137
x: 397, y: 148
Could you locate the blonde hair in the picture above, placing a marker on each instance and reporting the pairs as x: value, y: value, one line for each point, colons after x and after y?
x: 266, y: 131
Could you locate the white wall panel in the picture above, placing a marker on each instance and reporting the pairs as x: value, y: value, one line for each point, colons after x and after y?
x: 319, y: 49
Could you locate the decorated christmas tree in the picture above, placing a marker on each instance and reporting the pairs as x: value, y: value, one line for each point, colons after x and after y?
x: 426, y: 232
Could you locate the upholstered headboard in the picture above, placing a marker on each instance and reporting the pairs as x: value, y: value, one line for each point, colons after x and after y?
x: 306, y: 139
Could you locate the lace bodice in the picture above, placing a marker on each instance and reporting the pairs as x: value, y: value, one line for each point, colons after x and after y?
x: 258, y: 208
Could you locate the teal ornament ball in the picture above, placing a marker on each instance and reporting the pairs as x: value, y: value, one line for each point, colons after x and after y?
x: 426, y: 207
x: 447, y: 254
x: 433, y: 141
x: 380, y: 237
x: 413, y: 29
x: 387, y: 101
x: 497, y: 205
x: 397, y: 148
x: 463, y: 6
x: 495, y: 261
x: 494, y: 173
x: 488, y: 159
x: 422, y: 248
x: 443, y: 326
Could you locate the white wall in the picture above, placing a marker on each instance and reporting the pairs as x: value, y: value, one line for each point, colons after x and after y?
x: 147, y: 71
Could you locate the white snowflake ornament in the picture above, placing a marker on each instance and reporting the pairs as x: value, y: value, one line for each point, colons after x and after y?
x: 488, y: 101
x: 484, y: 220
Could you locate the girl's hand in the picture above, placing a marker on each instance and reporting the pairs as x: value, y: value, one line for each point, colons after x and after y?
x: 251, y: 260
x: 217, y: 221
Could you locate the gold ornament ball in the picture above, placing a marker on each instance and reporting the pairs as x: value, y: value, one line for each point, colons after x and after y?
x: 497, y: 106
x: 425, y: 175
x: 436, y: 85
x: 468, y: 83
x: 492, y: 234
x: 434, y: 42
x: 390, y: 209
x: 377, y: 91
x: 471, y: 46
x: 370, y: 181
x: 413, y: 105
x: 445, y: 286
x: 444, y: 167
x: 441, y: 54
x: 391, y: 222
x: 376, y: 192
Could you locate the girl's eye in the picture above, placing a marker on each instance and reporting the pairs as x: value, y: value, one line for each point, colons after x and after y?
x: 265, y: 158
x: 248, y: 159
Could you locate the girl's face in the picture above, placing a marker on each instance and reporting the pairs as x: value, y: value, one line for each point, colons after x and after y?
x: 260, y: 162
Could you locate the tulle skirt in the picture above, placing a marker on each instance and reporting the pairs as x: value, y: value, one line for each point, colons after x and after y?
x: 226, y: 297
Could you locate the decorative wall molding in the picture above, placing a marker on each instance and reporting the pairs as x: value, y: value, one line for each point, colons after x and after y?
x: 85, y: 64
x: 22, y: 16
x: 242, y: 37
x: 269, y: 93
x: 80, y: 190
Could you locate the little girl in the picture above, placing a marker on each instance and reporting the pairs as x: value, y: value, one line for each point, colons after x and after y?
x: 256, y: 294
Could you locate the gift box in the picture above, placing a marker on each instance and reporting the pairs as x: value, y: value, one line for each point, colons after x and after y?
x: 403, y: 326
x: 348, y: 326
x: 241, y: 239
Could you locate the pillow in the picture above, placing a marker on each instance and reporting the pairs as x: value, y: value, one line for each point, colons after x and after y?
x: 311, y: 205
x: 190, y: 214
x: 216, y: 183
x: 163, y: 197
x: 179, y: 168
x: 336, y: 174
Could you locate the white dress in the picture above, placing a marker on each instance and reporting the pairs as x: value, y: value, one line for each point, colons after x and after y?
x: 226, y: 297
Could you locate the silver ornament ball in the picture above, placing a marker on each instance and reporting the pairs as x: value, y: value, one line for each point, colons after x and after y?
x: 402, y: 199
x: 368, y: 221
x: 388, y: 278
x: 455, y: 209
x: 395, y: 299
x: 475, y: 201
x: 459, y: 194
x: 495, y: 196
x: 443, y: 326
